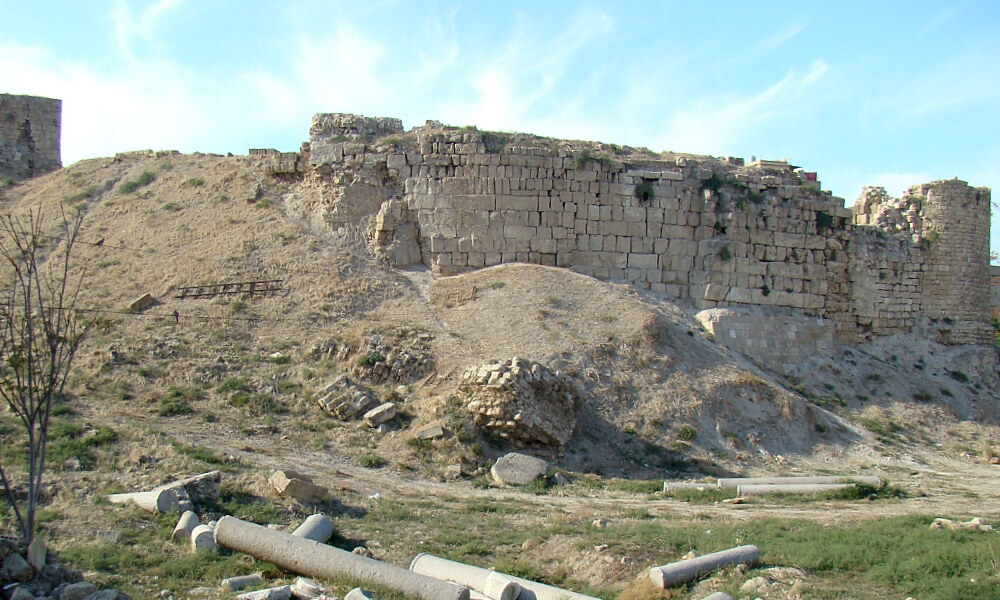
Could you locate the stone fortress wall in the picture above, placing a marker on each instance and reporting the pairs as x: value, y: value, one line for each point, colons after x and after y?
x: 717, y: 232
x: 29, y: 136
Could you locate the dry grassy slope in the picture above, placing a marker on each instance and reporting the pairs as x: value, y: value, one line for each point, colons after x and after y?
x: 210, y: 219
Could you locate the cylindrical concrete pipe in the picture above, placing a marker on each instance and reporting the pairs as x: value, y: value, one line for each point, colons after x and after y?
x: 313, y: 559
x: 283, y: 592
x: 718, y: 596
x: 154, y: 501
x: 684, y: 571
x: 731, y: 482
x: 790, y: 488
x: 669, y: 486
x: 232, y: 584
x: 182, y: 530
x: 203, y: 539
x: 316, y: 527
x: 475, y: 578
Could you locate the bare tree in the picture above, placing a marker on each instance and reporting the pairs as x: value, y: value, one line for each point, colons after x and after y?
x: 40, y: 332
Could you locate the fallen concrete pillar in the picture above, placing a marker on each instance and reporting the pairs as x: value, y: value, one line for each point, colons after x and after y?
x: 731, y: 482
x: 718, y: 596
x: 684, y: 571
x: 203, y: 539
x: 154, y: 501
x: 790, y: 488
x: 669, y: 486
x: 310, y: 558
x: 184, y: 526
x: 316, y: 527
x: 306, y: 588
x: 283, y: 592
x: 476, y: 578
x: 232, y: 584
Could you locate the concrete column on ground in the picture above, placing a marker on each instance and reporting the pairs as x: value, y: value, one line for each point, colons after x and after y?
x: 316, y: 527
x: 154, y: 501
x: 203, y: 539
x: 232, y: 584
x: 476, y: 578
x: 669, y: 486
x: 791, y: 488
x: 283, y: 592
x: 184, y: 526
x: 731, y: 482
x: 684, y: 571
x: 313, y: 559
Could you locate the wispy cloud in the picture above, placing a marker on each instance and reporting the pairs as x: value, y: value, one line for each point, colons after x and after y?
x: 717, y: 124
x: 781, y: 37
x: 131, y: 26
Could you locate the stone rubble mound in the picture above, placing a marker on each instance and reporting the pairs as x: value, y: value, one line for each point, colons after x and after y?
x: 398, y: 360
x: 524, y: 402
x: 345, y: 399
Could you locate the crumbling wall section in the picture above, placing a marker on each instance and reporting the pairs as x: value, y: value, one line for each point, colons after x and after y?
x: 29, y: 136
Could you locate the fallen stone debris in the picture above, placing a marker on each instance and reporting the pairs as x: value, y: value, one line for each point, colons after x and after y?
x: 180, y: 495
x: 292, y: 484
x: 756, y: 486
x: 233, y: 584
x: 523, y: 402
x: 30, y: 571
x: 975, y: 524
x: 680, y: 572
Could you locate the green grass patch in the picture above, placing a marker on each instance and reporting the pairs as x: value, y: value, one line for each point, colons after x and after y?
x: 370, y: 359
x: 174, y: 407
x: 257, y: 404
x: 235, y: 384
x: 371, y: 461
x: 130, y: 186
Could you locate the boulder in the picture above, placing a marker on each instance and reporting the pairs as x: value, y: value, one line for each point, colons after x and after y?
x: 298, y: 486
x: 77, y: 591
x: 359, y: 594
x: 382, y: 414
x: 518, y: 469
x: 15, y: 568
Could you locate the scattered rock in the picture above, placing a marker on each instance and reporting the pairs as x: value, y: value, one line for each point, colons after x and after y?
x: 298, y: 486
x: 381, y: 414
x: 453, y: 472
x: 431, y: 433
x: 690, y: 555
x: 283, y: 592
x: 362, y: 551
x: 518, y: 469
x: 15, y: 568
x: 736, y: 500
x: 37, y: 552
x: 757, y: 585
x: 108, y: 595
x: 359, y: 594
x: 530, y: 543
x: 20, y: 593
x: 241, y: 581
x: 601, y: 548
x: 976, y: 524
x: 76, y: 591
x: 306, y: 588
x: 600, y: 523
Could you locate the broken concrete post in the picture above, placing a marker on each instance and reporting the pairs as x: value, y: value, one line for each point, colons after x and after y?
x: 476, y: 578
x: 154, y: 501
x: 316, y: 527
x: 283, y: 592
x: 306, y: 588
x: 184, y: 526
x: 199, y: 489
x: 239, y: 582
x: 203, y: 539
x: 688, y: 570
x: 731, y: 482
x: 500, y: 587
x: 313, y: 559
x: 790, y: 488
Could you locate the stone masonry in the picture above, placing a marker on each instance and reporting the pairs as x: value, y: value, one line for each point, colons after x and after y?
x: 715, y: 232
x: 29, y: 136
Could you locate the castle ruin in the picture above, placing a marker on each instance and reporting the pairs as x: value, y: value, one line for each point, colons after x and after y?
x: 29, y: 136
x: 765, y: 254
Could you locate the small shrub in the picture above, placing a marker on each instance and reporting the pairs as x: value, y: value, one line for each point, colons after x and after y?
x: 725, y: 254
x: 645, y: 191
x: 686, y: 433
x: 172, y: 407
x: 370, y: 359
x: 144, y: 179
x: 714, y: 183
x: 235, y: 384
x: 418, y: 443
x: 371, y: 461
x: 195, y: 182
x: 766, y: 290
x: 257, y: 404
x: 172, y: 207
x: 496, y: 285
x: 959, y: 376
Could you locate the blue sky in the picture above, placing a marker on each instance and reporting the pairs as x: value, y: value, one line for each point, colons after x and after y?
x: 866, y: 93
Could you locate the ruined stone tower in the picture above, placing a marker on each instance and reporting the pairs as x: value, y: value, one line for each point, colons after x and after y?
x: 29, y: 136
x: 956, y: 230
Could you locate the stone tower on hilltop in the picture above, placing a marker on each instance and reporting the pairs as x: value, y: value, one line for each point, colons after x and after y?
x: 29, y: 136
x: 955, y: 239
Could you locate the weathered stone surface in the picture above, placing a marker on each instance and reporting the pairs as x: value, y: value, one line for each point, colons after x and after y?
x: 381, y: 414
x: 77, y: 591
x: 15, y: 568
x: 431, y: 433
x: 29, y: 136
x: 359, y: 594
x: 298, y: 486
x: 518, y: 469
x: 523, y: 402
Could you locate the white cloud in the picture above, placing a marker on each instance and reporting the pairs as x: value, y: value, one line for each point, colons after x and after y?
x: 717, y: 124
x: 129, y: 27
